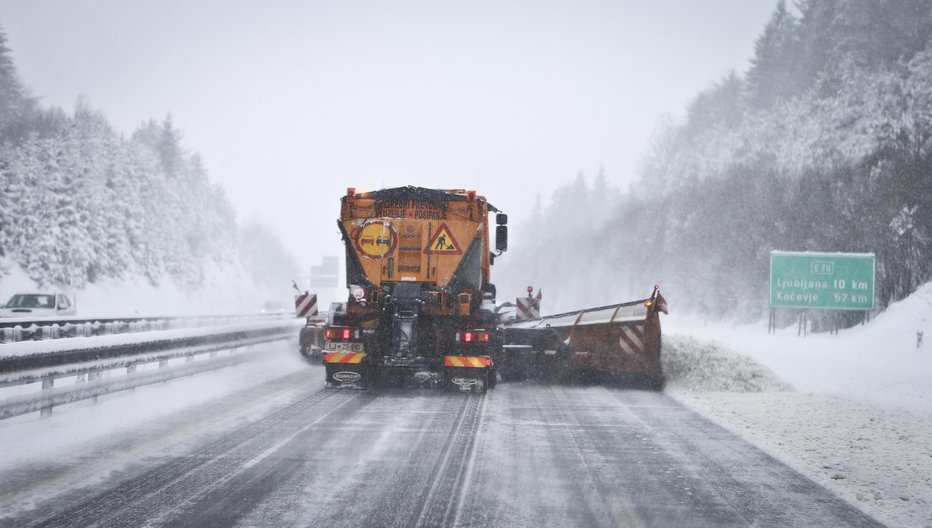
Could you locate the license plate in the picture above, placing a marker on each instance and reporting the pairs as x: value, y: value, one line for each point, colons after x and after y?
x: 330, y: 346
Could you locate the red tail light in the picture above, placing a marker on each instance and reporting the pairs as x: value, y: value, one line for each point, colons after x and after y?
x: 473, y: 336
x: 344, y: 333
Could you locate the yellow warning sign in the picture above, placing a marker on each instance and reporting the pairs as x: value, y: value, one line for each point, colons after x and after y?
x: 443, y: 242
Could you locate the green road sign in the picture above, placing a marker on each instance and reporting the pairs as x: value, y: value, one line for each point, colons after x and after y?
x: 834, y: 281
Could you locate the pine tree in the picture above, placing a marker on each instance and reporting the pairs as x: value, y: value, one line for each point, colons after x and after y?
x: 774, y: 74
x: 15, y: 103
x: 815, y: 39
x: 79, y: 203
x: 718, y: 109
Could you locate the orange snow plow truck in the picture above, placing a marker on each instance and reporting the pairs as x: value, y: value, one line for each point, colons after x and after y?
x: 421, y: 307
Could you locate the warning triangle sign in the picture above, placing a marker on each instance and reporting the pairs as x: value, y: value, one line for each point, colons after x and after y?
x: 443, y: 242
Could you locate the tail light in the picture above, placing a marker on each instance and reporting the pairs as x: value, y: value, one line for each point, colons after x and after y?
x: 473, y: 336
x: 341, y: 333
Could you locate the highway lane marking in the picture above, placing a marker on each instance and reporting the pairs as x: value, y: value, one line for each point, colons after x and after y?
x: 86, y: 466
x: 411, y: 430
x: 233, y: 474
x: 383, y: 411
x: 456, y: 436
x: 270, y: 451
x: 557, y: 424
x: 603, y: 511
x: 470, y: 464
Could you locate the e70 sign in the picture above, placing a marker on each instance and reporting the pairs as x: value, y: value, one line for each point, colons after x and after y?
x: 834, y: 281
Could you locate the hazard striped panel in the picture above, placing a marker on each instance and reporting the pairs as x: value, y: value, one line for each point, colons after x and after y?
x: 467, y: 361
x: 305, y: 304
x: 526, y: 308
x: 343, y: 357
x: 631, y: 339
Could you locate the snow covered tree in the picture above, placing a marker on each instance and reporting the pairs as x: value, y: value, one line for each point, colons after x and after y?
x: 15, y: 103
x: 79, y: 203
x: 774, y: 74
x: 824, y: 145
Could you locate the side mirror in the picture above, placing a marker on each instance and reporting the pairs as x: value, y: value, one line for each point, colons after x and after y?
x: 501, y: 219
x: 501, y: 238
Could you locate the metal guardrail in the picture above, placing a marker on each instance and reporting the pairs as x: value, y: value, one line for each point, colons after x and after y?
x: 14, y: 330
x: 91, y: 360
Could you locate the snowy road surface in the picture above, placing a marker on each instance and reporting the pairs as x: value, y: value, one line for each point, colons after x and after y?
x: 288, y: 453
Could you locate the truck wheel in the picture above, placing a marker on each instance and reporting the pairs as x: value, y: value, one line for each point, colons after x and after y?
x: 484, y: 382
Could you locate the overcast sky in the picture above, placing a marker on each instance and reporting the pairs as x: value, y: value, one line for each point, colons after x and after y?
x: 290, y: 102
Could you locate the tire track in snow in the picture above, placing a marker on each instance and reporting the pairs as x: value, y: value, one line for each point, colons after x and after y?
x: 156, y: 494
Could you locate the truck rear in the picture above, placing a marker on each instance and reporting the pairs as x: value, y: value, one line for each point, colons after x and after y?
x: 421, y: 306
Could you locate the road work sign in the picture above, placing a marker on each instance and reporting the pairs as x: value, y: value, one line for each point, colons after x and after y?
x: 443, y: 242
x: 833, y: 281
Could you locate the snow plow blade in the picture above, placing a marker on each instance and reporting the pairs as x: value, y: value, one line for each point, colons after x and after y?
x: 619, y: 344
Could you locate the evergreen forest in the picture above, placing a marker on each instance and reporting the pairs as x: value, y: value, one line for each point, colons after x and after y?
x: 80, y: 203
x: 823, y: 144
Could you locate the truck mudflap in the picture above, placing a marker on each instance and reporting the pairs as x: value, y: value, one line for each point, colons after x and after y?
x: 468, y: 373
x: 346, y: 370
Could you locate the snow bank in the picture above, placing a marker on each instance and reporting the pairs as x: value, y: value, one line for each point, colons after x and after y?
x: 696, y: 366
x: 878, y: 460
x: 859, y: 421
x: 878, y: 363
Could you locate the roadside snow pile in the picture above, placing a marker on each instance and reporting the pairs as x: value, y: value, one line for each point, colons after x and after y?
x: 878, y: 460
x: 859, y: 421
x: 698, y: 366
x: 881, y: 363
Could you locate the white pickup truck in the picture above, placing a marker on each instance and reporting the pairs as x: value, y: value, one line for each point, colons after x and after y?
x: 38, y: 304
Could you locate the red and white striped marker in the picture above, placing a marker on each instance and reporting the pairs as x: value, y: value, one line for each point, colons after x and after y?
x: 305, y: 304
x: 526, y: 309
x: 631, y: 339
